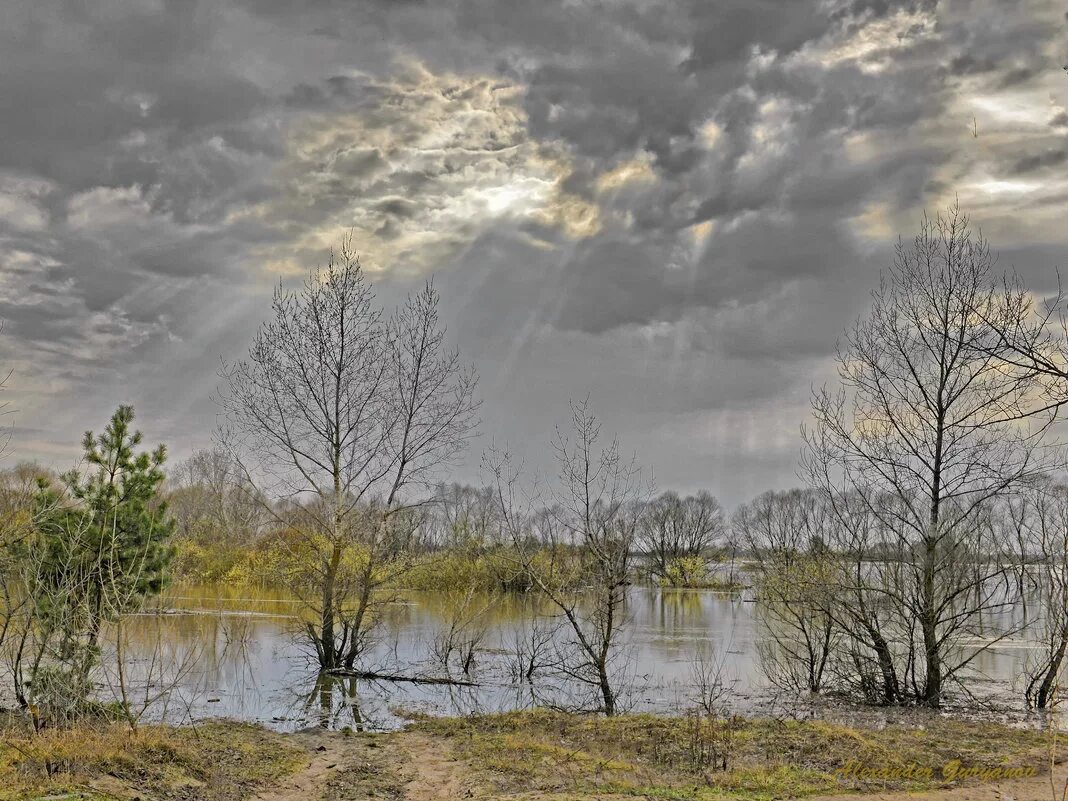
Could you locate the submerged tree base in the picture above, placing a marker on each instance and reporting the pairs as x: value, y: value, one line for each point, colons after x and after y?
x: 370, y: 675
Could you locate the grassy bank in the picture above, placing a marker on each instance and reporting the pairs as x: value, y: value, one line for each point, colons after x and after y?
x: 658, y: 757
x: 219, y: 761
x: 534, y: 755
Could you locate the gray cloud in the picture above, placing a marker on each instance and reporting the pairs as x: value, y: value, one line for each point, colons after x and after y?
x: 1039, y: 161
x: 673, y: 205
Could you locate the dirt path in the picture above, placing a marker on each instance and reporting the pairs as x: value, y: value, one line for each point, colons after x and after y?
x: 328, y: 753
x: 437, y: 774
x: 408, y: 765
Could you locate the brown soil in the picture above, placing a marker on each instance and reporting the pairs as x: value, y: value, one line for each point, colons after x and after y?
x: 412, y: 766
x: 327, y: 753
x: 436, y: 773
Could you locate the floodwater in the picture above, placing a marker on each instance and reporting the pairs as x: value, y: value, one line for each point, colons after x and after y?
x: 237, y: 653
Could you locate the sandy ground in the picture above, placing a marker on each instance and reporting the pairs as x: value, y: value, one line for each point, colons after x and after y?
x: 409, y: 765
x: 308, y: 784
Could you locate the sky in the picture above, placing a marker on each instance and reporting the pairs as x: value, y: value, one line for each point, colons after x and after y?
x: 672, y: 206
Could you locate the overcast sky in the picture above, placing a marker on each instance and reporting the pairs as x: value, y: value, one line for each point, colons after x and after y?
x: 673, y: 206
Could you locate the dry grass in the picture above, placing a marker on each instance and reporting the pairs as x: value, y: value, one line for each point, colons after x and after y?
x: 221, y: 761
x: 656, y: 757
x: 533, y: 754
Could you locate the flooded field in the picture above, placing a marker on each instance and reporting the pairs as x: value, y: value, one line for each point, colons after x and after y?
x: 236, y: 653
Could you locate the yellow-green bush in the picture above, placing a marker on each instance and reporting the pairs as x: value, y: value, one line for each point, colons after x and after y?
x: 205, y: 561
x: 484, y: 571
x: 692, y: 572
x: 290, y: 559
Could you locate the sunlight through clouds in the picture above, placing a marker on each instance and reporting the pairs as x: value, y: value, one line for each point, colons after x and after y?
x: 604, y: 191
x: 426, y: 164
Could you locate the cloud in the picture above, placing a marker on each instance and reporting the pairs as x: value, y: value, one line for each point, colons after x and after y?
x: 1039, y: 161
x: 676, y: 205
x: 20, y: 210
x: 416, y: 167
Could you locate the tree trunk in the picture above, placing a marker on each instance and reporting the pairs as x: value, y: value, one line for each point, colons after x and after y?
x: 1045, y: 689
x: 327, y: 647
x: 607, y: 695
x: 366, y: 588
x: 932, y: 686
x: 891, y: 688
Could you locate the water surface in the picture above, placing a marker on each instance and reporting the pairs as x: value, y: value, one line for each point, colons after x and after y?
x: 237, y: 653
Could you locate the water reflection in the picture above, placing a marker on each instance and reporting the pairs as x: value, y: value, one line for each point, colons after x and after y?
x: 243, y: 661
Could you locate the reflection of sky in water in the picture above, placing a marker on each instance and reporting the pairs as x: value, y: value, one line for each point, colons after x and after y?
x: 237, y: 657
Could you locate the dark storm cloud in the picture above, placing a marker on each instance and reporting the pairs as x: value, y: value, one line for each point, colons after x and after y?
x: 782, y: 212
x: 1039, y: 161
x: 695, y: 197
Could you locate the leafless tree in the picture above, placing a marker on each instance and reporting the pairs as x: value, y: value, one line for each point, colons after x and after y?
x: 710, y: 730
x: 532, y: 649
x: 1040, y: 518
x: 344, y: 411
x: 676, y: 529
x: 461, y: 516
x: 877, y: 642
x: 931, y: 424
x: 209, y: 496
x: 578, y: 552
x: 141, y: 683
x: 1016, y: 521
x: 784, y: 534
x: 465, y: 630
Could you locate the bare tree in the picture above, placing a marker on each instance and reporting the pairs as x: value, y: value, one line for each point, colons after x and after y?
x: 676, y: 531
x: 1040, y: 518
x: 709, y: 728
x: 784, y: 533
x: 578, y: 552
x: 345, y: 411
x: 209, y: 496
x: 931, y: 423
x: 461, y: 516
x: 532, y: 649
x: 877, y: 643
x: 465, y: 630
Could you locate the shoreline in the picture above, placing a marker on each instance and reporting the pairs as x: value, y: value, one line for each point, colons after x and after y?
x: 540, y: 754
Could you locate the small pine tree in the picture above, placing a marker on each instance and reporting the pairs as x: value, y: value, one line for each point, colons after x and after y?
x: 104, y: 541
